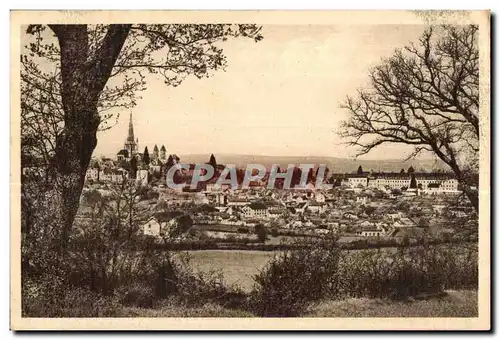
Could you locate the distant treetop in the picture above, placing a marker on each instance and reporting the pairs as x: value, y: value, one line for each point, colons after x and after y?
x: 212, y: 161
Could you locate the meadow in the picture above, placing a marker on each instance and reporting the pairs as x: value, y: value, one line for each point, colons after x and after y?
x: 238, y: 266
x: 461, y: 303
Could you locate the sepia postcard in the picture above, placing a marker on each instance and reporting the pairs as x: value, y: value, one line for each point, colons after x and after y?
x: 250, y: 170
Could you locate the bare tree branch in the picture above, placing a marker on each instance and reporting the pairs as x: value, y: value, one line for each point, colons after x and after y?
x: 427, y: 96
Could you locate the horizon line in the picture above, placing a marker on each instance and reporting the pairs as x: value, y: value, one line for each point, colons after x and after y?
x: 294, y: 156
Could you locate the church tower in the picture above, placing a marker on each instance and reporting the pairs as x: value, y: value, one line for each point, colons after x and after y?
x: 155, y: 153
x: 130, y: 142
x: 163, y: 153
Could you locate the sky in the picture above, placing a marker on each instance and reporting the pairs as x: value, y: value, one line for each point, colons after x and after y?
x: 279, y: 96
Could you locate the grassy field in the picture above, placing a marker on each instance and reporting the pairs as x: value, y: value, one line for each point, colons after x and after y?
x: 454, y: 304
x: 238, y: 266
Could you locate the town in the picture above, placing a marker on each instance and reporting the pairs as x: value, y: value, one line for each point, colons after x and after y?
x: 359, y: 205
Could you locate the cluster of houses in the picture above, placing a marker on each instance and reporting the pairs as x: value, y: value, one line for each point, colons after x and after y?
x: 346, y: 212
x: 360, y: 205
x: 358, y: 212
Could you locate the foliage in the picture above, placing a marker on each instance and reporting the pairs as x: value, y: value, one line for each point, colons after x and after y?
x: 213, y: 162
x: 396, y: 192
x: 145, y: 156
x: 133, y: 168
x: 407, y: 272
x: 102, y: 242
x: 261, y: 232
x: 369, y: 210
x: 413, y: 182
x: 197, y: 287
x: 243, y: 230
x: 274, y: 232
x: 49, y: 297
x: 294, y: 279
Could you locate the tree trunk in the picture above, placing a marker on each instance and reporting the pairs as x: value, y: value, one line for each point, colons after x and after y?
x: 73, y: 152
x: 472, y: 195
x: 83, y: 77
x: 451, y: 161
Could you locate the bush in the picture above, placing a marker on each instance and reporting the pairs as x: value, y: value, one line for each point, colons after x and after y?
x: 136, y: 295
x: 243, y: 230
x: 64, y: 301
x: 293, y: 279
x: 195, y: 288
x: 296, y: 278
x: 405, y: 272
x: 80, y: 302
x: 274, y: 232
x: 261, y: 232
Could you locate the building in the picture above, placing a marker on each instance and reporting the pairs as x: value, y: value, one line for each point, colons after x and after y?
x: 357, y: 181
x: 131, y: 149
x: 142, y: 177
x: 255, y: 209
x: 155, y: 156
x: 163, y: 153
x: 371, y: 232
x: 362, y: 199
x: 92, y: 174
x: 152, y: 227
x: 113, y: 175
x: 404, y: 223
x: 122, y: 155
x: 131, y: 145
x: 276, y: 212
x: 383, y: 181
x: 370, y: 229
x: 320, y: 197
x: 316, y: 207
x: 221, y: 199
x: 431, y: 183
x: 448, y: 186
x: 239, y: 202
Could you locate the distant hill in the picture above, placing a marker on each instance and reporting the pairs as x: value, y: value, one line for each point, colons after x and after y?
x: 338, y: 165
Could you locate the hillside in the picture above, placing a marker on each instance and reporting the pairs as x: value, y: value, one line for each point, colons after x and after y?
x: 340, y: 165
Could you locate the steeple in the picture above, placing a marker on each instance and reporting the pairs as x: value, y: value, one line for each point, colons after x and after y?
x: 131, y: 144
x: 155, y: 152
x: 163, y: 153
x: 130, y: 137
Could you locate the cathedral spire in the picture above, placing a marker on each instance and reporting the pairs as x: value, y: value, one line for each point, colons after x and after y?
x: 130, y: 130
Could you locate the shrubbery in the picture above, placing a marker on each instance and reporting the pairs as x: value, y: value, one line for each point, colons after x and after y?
x: 49, y: 298
x: 296, y: 278
x: 293, y: 279
x: 154, y: 275
x: 261, y: 232
x: 285, y: 287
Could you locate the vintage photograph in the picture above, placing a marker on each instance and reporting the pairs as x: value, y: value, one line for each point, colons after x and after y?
x: 251, y: 166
